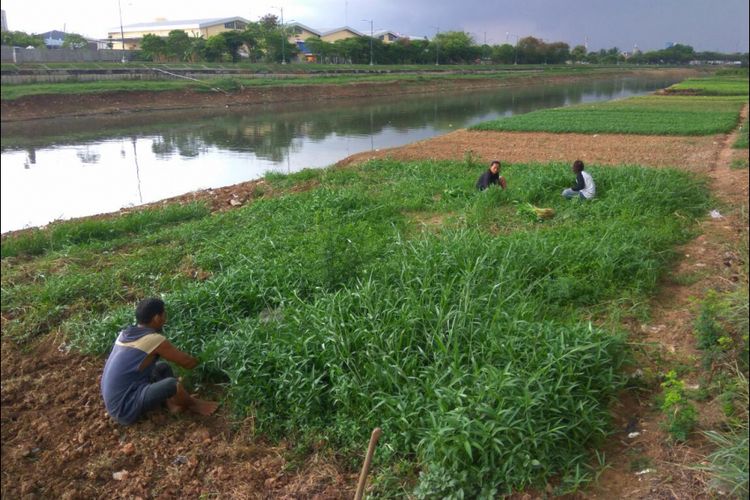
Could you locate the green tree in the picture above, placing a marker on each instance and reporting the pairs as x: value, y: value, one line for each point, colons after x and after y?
x: 21, y: 39
x: 456, y: 47
x: 74, y: 41
x: 556, y: 53
x: 578, y: 53
x: 325, y: 52
x: 503, y: 54
x: 215, y: 48
x: 154, y: 47
x: 269, y: 22
x: 530, y: 50
x: 179, y: 45
x: 197, y: 49
x: 234, y: 41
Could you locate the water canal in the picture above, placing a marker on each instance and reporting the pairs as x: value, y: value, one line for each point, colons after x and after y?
x: 64, y: 168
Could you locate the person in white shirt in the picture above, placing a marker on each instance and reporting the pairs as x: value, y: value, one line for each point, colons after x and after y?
x: 584, y: 187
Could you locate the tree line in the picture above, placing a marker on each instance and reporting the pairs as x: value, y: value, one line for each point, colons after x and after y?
x: 267, y: 41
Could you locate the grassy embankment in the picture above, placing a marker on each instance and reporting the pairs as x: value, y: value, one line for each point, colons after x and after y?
x: 309, y: 77
x: 485, y: 344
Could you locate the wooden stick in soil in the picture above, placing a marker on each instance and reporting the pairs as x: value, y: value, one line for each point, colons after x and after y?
x: 366, y: 466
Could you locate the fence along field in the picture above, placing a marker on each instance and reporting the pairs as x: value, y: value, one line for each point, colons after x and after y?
x: 391, y: 295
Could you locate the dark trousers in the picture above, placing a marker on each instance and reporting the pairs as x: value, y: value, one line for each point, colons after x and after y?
x: 163, y: 386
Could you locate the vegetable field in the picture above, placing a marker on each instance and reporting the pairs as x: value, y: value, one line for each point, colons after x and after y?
x: 721, y: 85
x: 654, y: 114
x: 482, y: 340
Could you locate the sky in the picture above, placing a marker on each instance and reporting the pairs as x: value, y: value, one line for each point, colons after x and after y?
x: 706, y: 25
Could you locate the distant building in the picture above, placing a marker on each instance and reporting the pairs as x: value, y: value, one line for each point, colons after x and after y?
x: 134, y: 33
x: 387, y: 36
x: 4, y: 21
x: 53, y: 39
x: 340, y: 34
x: 300, y: 32
x: 669, y: 45
x: 298, y: 35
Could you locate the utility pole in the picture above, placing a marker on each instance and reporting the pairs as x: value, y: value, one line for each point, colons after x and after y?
x: 283, y: 33
x: 122, y: 32
x: 371, y: 37
x: 437, y: 45
x: 515, y: 49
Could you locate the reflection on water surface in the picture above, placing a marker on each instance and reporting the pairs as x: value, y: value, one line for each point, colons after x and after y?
x: 67, y: 168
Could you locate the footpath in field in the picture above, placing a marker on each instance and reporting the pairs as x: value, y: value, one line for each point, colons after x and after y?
x: 392, y: 268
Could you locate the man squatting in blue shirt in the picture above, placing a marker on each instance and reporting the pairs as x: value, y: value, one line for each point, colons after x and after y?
x: 135, y: 380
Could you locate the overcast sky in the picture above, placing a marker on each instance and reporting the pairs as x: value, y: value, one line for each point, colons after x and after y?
x: 720, y: 25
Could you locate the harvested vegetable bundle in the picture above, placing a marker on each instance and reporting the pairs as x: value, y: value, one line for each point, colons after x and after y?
x: 529, y: 210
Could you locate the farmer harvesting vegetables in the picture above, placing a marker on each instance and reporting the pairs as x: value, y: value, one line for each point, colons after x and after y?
x: 136, y: 381
x: 584, y: 187
x: 491, y: 176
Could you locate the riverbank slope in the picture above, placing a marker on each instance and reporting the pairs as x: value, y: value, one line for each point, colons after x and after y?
x: 50, y: 105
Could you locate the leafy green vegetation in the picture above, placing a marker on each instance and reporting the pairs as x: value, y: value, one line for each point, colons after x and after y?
x: 63, y: 234
x: 394, y: 295
x: 658, y: 115
x: 715, y: 85
x: 742, y: 140
x: 681, y: 415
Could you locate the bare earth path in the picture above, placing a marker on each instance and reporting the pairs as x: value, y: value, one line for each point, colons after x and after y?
x: 58, y: 443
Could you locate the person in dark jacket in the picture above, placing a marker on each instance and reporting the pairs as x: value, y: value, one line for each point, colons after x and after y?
x: 584, y: 188
x: 135, y: 380
x: 491, y: 176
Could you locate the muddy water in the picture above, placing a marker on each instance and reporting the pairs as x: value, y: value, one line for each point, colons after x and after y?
x: 58, y: 169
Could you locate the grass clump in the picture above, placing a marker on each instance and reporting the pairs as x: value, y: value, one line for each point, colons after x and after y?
x: 728, y: 463
x: 651, y: 115
x: 61, y: 234
x: 331, y: 311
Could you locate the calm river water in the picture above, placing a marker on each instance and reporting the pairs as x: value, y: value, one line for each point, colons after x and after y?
x: 63, y: 168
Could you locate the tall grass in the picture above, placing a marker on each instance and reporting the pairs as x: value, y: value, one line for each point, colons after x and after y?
x: 65, y: 233
x: 728, y: 463
x: 658, y: 115
x: 473, y: 345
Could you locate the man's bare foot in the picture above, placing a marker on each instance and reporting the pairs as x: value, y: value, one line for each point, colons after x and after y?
x: 174, y: 407
x: 202, y: 407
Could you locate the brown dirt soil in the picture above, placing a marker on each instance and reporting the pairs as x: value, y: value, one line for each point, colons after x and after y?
x: 68, y: 105
x: 694, y: 153
x: 57, y: 441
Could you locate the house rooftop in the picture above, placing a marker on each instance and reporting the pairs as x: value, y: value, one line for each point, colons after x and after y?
x: 183, y: 24
x: 305, y: 27
x: 342, y: 28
